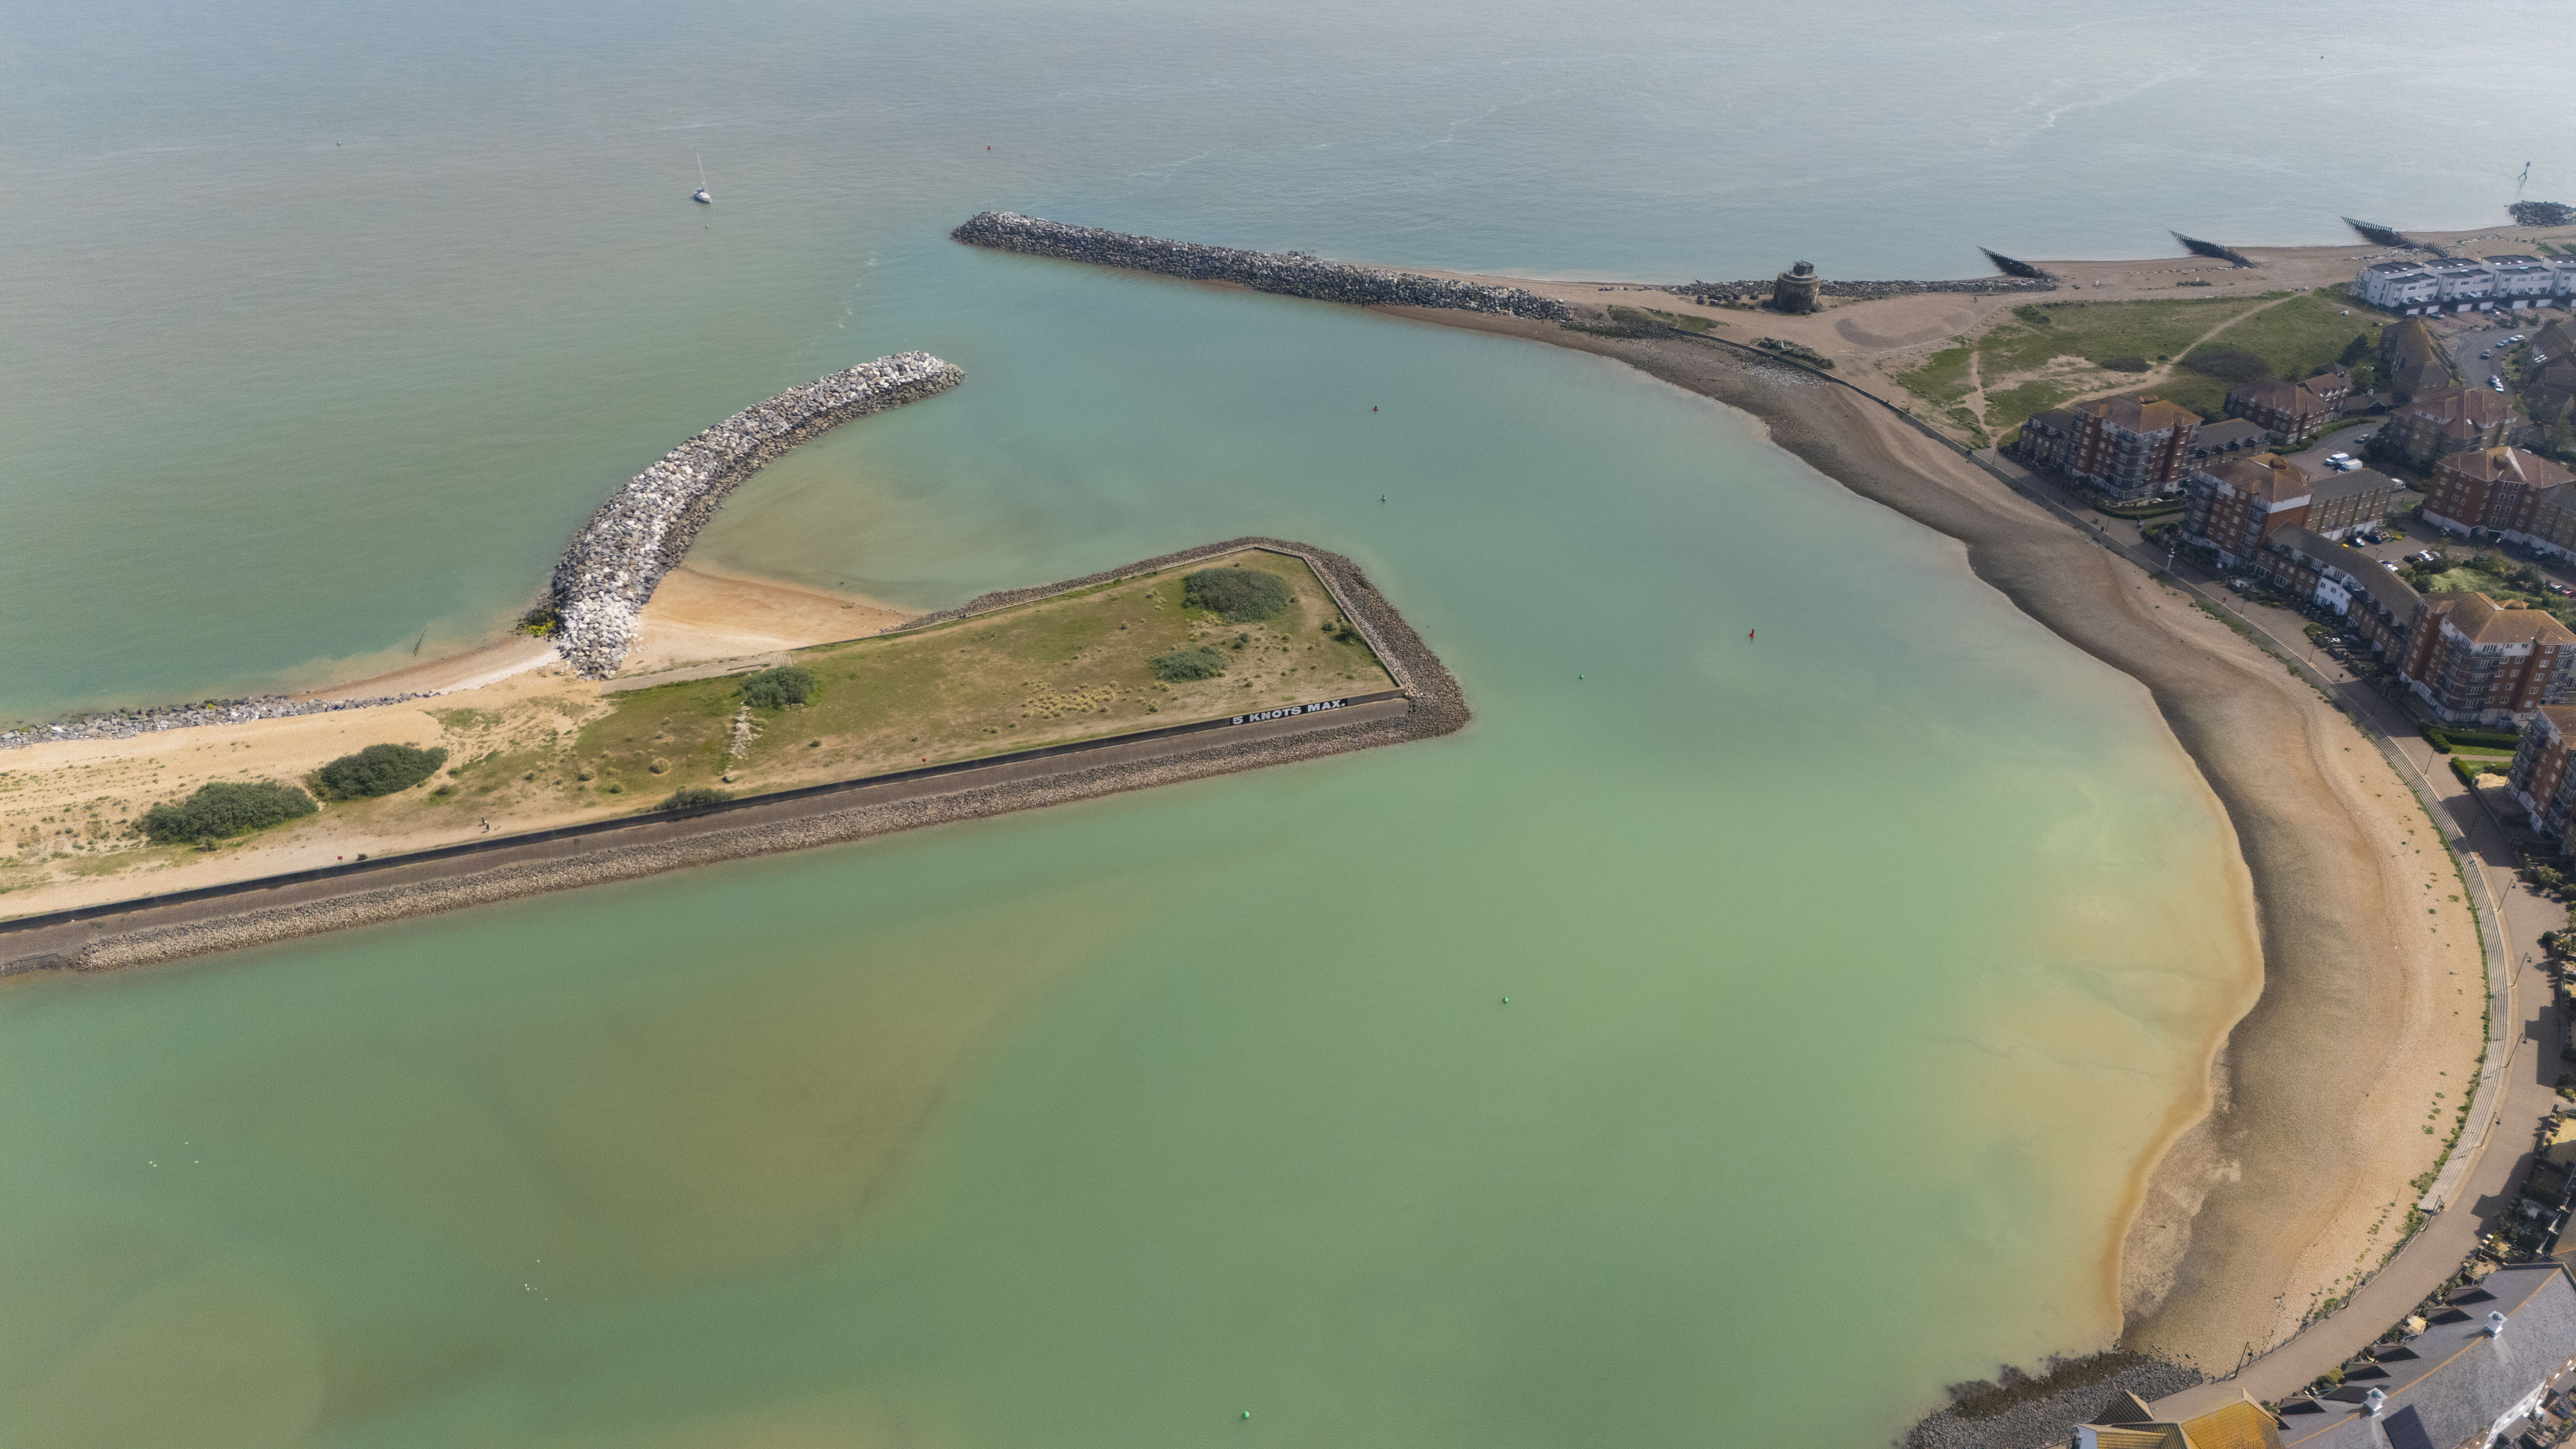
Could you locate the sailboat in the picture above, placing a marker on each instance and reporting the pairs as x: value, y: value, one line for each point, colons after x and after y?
x: 702, y: 198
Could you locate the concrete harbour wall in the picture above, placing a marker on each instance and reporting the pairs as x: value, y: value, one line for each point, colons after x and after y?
x: 153, y: 930
x: 1293, y: 274
x: 641, y: 534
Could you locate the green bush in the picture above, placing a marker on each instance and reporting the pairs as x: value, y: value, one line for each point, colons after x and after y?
x: 377, y: 770
x: 696, y: 797
x: 2227, y: 364
x: 777, y: 688
x: 225, y: 808
x: 2036, y: 316
x: 2468, y: 767
x: 1238, y: 596
x: 1189, y: 664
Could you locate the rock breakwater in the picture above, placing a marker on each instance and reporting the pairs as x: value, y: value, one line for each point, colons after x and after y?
x: 1293, y: 274
x: 1718, y: 293
x: 127, y: 723
x: 641, y: 534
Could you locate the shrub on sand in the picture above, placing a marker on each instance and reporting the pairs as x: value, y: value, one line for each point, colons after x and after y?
x: 225, y: 808
x: 377, y: 770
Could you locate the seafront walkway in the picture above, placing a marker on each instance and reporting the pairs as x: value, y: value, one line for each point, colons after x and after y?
x: 2519, y: 1088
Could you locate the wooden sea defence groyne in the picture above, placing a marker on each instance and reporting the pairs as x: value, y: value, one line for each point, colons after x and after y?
x: 1293, y: 274
x: 621, y: 555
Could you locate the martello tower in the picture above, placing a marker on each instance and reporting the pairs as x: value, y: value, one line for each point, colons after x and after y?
x: 1795, y: 289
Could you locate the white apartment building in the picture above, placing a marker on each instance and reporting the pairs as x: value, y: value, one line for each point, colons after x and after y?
x: 2397, y: 285
x: 2462, y: 283
x: 2462, y: 279
x: 2520, y: 276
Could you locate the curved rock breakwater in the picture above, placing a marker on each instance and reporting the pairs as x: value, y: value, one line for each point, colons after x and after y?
x: 642, y: 533
x: 1293, y: 274
x: 126, y: 724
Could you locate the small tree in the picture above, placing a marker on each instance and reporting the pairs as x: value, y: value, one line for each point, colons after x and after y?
x: 777, y: 688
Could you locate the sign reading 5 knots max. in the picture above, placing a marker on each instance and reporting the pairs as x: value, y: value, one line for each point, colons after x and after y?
x: 1283, y: 713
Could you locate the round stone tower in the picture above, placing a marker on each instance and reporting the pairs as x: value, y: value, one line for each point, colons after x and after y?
x: 1795, y: 289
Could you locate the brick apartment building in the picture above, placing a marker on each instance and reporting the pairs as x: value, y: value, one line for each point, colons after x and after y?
x: 2541, y: 778
x: 2233, y: 505
x: 2130, y: 448
x: 2448, y: 420
x: 2290, y: 412
x: 2520, y: 496
x: 2475, y: 661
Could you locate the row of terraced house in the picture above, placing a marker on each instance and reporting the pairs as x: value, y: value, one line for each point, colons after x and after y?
x: 2462, y: 284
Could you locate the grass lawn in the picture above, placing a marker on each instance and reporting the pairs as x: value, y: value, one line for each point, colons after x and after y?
x: 1069, y: 668
x: 2096, y: 331
x: 1941, y: 379
x: 2298, y: 336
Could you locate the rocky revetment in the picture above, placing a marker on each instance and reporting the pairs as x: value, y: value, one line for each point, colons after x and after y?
x: 1294, y: 274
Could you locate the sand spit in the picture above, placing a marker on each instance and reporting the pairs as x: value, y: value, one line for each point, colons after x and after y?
x: 2290, y: 1175
x: 153, y: 931
x: 642, y: 533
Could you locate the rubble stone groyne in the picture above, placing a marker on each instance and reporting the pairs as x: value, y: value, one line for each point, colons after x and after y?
x: 1756, y: 291
x: 125, y: 724
x: 642, y: 533
x: 1294, y: 274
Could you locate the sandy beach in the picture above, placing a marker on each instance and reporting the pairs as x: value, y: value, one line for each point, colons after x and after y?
x: 2289, y: 1169
x: 484, y: 698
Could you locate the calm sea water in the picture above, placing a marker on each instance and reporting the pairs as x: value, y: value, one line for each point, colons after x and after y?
x: 1852, y: 971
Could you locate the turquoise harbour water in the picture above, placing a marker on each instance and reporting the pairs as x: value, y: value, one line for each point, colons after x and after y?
x: 1852, y: 971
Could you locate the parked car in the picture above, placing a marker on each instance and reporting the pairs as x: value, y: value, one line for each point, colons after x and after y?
x: 2338, y: 457
x: 2388, y: 563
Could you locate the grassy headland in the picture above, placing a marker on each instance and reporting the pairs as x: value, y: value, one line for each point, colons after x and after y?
x: 545, y: 750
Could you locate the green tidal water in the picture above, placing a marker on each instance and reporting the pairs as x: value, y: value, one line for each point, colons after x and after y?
x: 1854, y: 970
x: 1851, y: 971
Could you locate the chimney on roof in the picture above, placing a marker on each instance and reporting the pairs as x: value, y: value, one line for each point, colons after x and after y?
x: 2375, y: 1401
x: 2495, y: 1323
